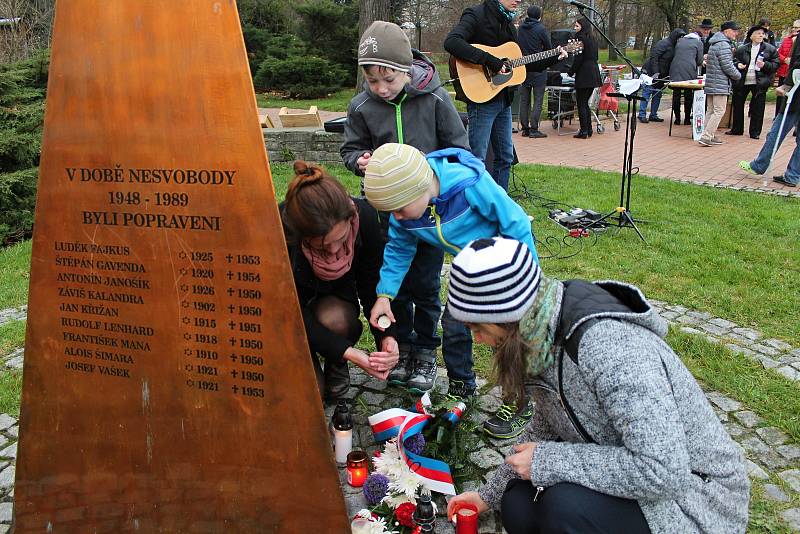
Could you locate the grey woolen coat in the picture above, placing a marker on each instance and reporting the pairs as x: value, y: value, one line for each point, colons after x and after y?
x: 657, y: 439
x: 687, y: 57
x: 720, y: 69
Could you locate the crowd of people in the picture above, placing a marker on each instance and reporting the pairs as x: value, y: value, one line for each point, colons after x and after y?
x: 614, y: 432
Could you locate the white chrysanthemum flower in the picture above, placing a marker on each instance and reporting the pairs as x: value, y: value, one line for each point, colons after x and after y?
x: 389, y: 463
x: 380, y: 527
x: 407, y: 483
x: 396, y: 499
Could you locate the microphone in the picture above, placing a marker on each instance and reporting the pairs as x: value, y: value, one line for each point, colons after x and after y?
x: 579, y: 5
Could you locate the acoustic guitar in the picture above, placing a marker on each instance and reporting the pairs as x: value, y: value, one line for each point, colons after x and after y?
x: 480, y: 84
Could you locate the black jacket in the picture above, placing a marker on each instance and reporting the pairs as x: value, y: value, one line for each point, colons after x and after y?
x: 794, y: 63
x: 482, y: 24
x: 662, y: 53
x: 533, y: 37
x: 356, y: 285
x: 763, y: 76
x: 584, y: 66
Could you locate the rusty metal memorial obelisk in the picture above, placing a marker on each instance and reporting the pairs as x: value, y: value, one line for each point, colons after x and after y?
x: 167, y: 381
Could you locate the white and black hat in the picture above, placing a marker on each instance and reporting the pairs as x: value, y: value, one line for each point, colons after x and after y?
x: 493, y: 281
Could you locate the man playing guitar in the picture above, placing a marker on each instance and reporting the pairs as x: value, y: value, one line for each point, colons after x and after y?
x: 489, y: 23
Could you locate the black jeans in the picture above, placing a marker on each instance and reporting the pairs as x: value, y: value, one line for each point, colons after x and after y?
x: 417, y: 306
x: 568, y: 508
x: 758, y: 101
x: 688, y: 100
x: 780, y: 101
x: 525, y: 104
x: 582, y: 96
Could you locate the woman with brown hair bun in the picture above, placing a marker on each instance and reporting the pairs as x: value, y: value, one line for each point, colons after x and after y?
x: 336, y: 251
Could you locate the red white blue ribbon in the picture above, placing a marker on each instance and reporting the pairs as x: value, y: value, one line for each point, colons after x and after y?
x: 433, y: 474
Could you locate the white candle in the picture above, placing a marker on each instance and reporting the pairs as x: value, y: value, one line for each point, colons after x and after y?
x: 343, y: 444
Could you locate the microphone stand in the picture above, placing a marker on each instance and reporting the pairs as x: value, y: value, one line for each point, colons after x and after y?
x: 622, y: 214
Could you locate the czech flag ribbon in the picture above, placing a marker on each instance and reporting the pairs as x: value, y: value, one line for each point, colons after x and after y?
x: 394, y: 422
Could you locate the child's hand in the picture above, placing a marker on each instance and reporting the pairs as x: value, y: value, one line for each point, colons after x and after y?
x: 363, y: 161
x: 382, y: 307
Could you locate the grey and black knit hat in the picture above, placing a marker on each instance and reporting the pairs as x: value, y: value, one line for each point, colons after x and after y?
x: 493, y: 281
x: 385, y: 44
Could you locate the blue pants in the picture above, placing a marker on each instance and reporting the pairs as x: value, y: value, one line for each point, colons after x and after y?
x: 457, y: 350
x: 653, y: 94
x: 759, y: 164
x: 416, y: 307
x: 491, y: 122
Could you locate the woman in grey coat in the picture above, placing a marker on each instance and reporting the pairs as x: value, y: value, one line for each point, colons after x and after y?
x: 687, y: 58
x: 623, y: 438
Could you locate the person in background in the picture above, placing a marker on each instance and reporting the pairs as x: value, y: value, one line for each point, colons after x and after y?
x: 490, y: 24
x: 705, y: 27
x: 335, y: 250
x: 403, y: 101
x: 687, y: 58
x: 769, y: 35
x: 790, y: 177
x: 757, y: 62
x: 657, y: 66
x: 587, y: 75
x: 533, y: 37
x: 784, y: 58
x: 720, y: 71
x: 623, y: 439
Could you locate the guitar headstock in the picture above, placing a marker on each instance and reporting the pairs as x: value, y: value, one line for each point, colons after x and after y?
x: 573, y: 46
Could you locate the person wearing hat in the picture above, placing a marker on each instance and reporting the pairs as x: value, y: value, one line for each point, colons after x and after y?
x: 720, y: 71
x: 403, y: 101
x: 445, y: 199
x: 769, y: 35
x: 704, y: 29
x: 757, y: 61
x: 623, y: 438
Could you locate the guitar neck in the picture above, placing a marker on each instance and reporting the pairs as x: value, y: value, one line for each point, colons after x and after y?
x: 538, y: 56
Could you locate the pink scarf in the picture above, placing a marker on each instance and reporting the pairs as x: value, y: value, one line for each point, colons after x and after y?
x: 333, y: 266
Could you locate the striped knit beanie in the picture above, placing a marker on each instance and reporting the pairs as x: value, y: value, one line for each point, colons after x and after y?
x: 385, y: 44
x: 396, y: 175
x: 493, y: 281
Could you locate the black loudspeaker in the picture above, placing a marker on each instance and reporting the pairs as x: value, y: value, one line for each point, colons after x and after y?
x: 560, y: 38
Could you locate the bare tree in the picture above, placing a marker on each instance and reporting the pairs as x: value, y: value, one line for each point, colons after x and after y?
x: 27, y: 29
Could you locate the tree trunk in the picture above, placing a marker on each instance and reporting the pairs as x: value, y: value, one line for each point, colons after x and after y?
x: 368, y: 12
x: 612, y: 29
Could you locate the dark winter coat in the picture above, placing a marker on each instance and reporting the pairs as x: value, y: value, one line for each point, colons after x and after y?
x: 358, y: 284
x: 794, y: 64
x: 661, y: 55
x: 533, y: 37
x: 584, y: 67
x: 483, y: 24
x: 720, y: 69
x: 424, y: 118
x: 763, y: 76
x: 688, y: 56
x: 651, y: 434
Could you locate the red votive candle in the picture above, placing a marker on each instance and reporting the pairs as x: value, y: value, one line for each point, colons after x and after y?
x: 467, y: 519
x: 357, y: 468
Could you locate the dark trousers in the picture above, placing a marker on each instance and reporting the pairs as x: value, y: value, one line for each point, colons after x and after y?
x: 568, y: 508
x: 780, y: 101
x: 758, y: 100
x: 417, y: 306
x: 582, y: 96
x: 525, y: 110
x: 688, y: 100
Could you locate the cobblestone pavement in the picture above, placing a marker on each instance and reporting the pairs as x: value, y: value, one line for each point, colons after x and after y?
x: 771, y: 457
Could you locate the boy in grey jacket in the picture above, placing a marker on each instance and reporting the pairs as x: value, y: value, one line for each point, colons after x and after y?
x: 623, y: 438
x: 720, y: 70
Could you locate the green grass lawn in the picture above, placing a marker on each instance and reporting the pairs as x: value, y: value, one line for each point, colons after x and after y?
x: 334, y: 102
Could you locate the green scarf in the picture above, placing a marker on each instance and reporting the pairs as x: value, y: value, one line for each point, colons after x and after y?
x: 535, y: 327
x: 505, y: 12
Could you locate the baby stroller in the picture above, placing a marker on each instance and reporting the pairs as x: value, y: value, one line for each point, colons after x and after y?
x: 601, y: 101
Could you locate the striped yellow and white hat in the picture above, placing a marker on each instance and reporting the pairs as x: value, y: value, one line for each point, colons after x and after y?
x: 396, y: 175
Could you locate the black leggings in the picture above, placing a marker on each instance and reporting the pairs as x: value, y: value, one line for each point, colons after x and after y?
x: 582, y: 96
x: 568, y: 508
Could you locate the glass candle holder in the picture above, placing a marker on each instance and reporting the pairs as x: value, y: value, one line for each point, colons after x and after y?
x: 466, y: 517
x: 357, y: 468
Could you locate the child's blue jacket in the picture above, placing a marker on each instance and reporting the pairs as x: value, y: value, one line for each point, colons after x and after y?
x: 470, y: 206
